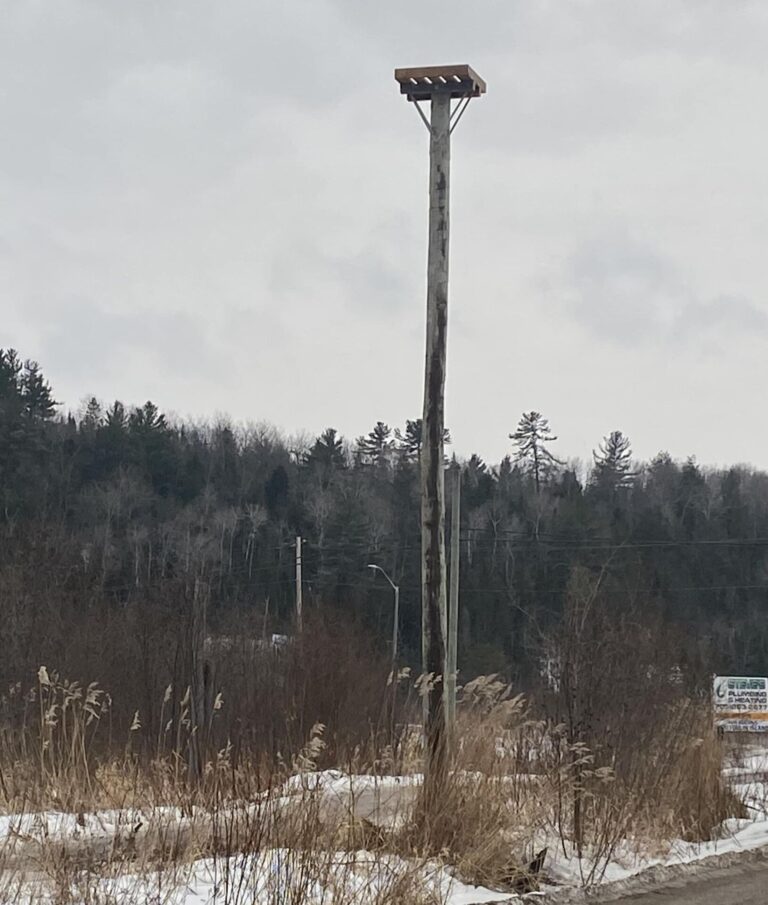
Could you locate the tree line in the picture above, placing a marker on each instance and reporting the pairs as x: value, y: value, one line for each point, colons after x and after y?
x: 117, y: 510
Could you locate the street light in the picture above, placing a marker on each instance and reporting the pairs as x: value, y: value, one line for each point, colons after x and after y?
x: 396, y: 615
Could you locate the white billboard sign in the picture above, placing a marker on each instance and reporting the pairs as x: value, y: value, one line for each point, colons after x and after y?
x: 741, y: 703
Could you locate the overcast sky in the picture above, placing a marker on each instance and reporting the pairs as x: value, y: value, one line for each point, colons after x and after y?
x: 222, y: 206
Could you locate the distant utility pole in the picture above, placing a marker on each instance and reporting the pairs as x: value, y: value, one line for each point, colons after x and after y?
x: 298, y: 583
x: 197, y: 690
x: 453, y: 609
x: 439, y: 85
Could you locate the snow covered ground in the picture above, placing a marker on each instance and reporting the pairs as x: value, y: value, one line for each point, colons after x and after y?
x: 278, y: 875
x: 735, y: 836
x: 748, y: 773
x: 268, y: 877
x: 271, y: 877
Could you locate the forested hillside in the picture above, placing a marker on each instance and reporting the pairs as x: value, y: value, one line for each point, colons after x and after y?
x: 112, y: 519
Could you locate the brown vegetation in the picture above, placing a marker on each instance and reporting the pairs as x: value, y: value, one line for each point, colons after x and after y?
x: 597, y: 758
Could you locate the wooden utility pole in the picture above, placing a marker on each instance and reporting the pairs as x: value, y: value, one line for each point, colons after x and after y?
x: 197, y: 688
x: 433, y: 577
x: 298, y: 584
x: 439, y: 85
x: 453, y: 609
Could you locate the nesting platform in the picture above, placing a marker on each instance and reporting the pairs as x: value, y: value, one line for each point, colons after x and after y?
x: 422, y: 82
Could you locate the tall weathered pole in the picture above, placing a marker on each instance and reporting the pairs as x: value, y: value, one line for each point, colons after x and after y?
x: 440, y: 85
x: 453, y: 608
x: 433, y: 576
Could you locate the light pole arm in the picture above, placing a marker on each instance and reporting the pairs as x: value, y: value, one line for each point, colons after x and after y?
x: 379, y: 569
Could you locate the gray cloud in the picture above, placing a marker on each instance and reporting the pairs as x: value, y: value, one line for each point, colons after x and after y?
x: 224, y: 208
x: 95, y: 341
x: 629, y: 293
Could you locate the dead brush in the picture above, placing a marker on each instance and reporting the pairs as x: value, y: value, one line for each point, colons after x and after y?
x: 668, y: 786
x: 276, y: 848
x: 45, y: 738
x: 633, y: 760
x: 510, y: 788
x: 488, y: 814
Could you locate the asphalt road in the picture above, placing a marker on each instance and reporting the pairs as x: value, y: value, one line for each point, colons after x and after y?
x: 735, y: 879
x: 731, y: 888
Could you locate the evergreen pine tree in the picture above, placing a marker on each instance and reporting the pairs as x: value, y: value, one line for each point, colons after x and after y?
x: 36, y: 393
x: 531, y: 438
x: 327, y: 451
x: 10, y: 375
x: 613, y: 464
x: 409, y: 440
x: 146, y: 420
x: 276, y: 492
x: 93, y: 417
x: 376, y: 447
x: 116, y: 418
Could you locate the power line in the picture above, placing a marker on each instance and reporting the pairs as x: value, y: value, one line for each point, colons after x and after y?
x: 562, y: 589
x: 628, y: 545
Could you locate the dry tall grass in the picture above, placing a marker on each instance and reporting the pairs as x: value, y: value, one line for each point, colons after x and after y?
x: 143, y: 824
